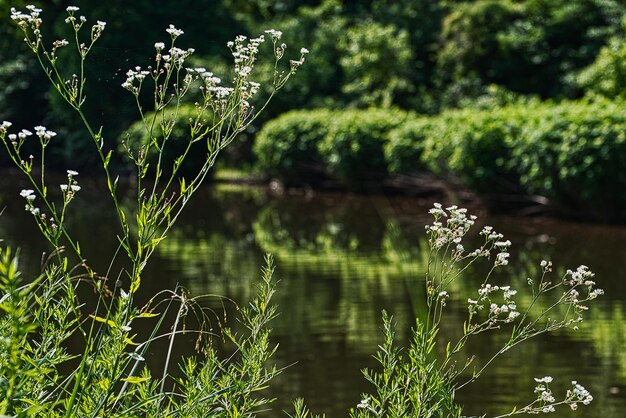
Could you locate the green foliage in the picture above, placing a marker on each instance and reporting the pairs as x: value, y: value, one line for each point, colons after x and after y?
x: 113, y: 376
x: 345, y: 144
x: 573, y: 154
x: 404, y: 150
x: 569, y: 153
x: 475, y: 146
x: 38, y: 320
x: 376, y: 63
x: 532, y: 46
x: 319, y: 27
x: 420, y: 55
x: 469, y: 35
x: 606, y: 76
x: 353, y: 148
x: 287, y: 147
x: 410, y: 386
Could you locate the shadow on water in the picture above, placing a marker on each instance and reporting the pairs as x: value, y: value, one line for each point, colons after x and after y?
x: 340, y: 260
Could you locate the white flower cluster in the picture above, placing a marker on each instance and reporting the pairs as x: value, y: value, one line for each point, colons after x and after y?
x: 97, y: 29
x: 173, y: 58
x: 44, y: 135
x: 546, y: 401
x: 30, y: 197
x: 136, y: 75
x: 174, y: 32
x: 546, y: 266
x: 580, y: 394
x: 544, y: 394
x: 455, y: 228
x: 581, y: 275
x: 494, y: 239
x: 509, y: 307
x: 69, y: 190
x: 176, y: 56
x: 4, y: 127
x: 71, y: 19
x: 580, y: 279
x: 274, y: 34
x: 28, y: 194
x: 60, y: 43
x: 244, y: 53
x: 25, y: 20
x: 17, y: 140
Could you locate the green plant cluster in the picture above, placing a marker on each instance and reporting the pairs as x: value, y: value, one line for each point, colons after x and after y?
x: 348, y: 145
x: 569, y: 154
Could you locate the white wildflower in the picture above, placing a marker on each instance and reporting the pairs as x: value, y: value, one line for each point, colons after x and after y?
x: 174, y: 33
x: 502, y: 259
x: 28, y: 194
x: 512, y: 315
x: 503, y: 244
x: 275, y: 34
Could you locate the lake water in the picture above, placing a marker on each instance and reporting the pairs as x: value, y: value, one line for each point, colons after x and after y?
x: 340, y: 260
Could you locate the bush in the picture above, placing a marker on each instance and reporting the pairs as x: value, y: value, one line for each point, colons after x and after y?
x: 353, y: 148
x: 403, y: 151
x: 570, y: 153
x: 574, y: 154
x: 287, y: 147
x: 306, y: 146
x: 474, y: 146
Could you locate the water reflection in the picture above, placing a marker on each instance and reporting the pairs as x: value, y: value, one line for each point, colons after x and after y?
x: 341, y: 259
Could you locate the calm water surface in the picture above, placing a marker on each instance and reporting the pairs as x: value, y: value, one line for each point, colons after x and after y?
x: 341, y: 259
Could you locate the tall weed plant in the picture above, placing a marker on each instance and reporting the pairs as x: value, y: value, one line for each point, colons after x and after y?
x: 41, y: 318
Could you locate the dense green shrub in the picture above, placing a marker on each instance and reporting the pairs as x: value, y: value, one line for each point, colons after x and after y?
x: 572, y: 153
x: 287, y: 147
x: 575, y: 153
x: 403, y: 151
x: 304, y: 146
x: 530, y: 46
x: 353, y: 148
x: 472, y: 145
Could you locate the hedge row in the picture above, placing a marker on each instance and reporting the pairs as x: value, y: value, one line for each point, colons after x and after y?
x: 573, y: 153
x: 304, y: 146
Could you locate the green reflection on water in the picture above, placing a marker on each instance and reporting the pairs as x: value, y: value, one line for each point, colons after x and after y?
x: 341, y: 259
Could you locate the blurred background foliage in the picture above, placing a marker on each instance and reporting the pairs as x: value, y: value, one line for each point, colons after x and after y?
x: 427, y: 57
